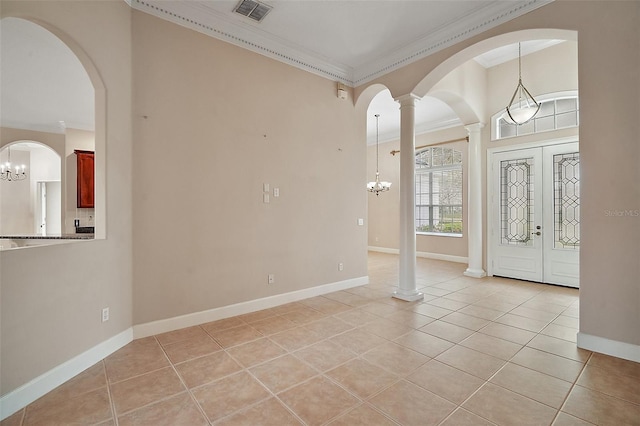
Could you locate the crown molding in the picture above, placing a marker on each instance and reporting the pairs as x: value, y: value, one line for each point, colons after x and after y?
x: 197, y: 17
x: 204, y: 20
x: 474, y: 23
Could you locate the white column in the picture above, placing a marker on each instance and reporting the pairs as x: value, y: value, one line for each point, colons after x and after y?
x: 474, y: 201
x: 407, y: 285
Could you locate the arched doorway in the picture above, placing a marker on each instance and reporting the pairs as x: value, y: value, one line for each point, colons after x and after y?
x: 462, y: 83
x: 32, y: 206
x: 52, y: 91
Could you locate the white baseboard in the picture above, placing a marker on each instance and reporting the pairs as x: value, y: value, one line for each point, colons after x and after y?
x: 29, y: 392
x: 609, y: 347
x: 424, y: 254
x: 189, y: 320
x: 383, y: 250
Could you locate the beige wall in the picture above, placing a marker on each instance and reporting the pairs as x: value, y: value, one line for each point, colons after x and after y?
x: 205, y: 239
x: 51, y: 296
x: 608, y: 63
x: 212, y: 123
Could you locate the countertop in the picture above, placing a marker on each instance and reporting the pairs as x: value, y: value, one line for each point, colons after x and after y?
x: 49, y: 237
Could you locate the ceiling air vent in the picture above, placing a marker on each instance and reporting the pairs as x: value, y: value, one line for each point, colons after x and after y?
x: 252, y: 9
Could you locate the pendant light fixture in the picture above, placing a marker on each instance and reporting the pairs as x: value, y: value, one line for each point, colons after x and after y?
x: 377, y: 187
x: 9, y: 175
x: 525, y: 107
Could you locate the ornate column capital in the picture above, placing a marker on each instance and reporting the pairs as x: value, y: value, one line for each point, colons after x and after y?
x: 474, y: 127
x: 408, y: 99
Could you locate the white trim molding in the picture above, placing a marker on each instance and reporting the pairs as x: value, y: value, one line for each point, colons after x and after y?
x: 29, y: 392
x: 196, y: 318
x: 422, y: 254
x: 36, y: 388
x: 606, y: 346
x: 199, y: 17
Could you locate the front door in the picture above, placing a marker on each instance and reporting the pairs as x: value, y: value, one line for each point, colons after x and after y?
x: 535, y: 214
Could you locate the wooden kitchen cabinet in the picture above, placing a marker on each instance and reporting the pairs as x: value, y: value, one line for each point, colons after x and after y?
x: 85, y: 176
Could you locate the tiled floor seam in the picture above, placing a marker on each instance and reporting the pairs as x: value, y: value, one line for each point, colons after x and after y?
x: 596, y: 390
x: 117, y: 415
x: 112, y: 403
x: 373, y: 407
x: 319, y: 375
x: 552, y: 346
x: 573, y: 385
x: 488, y: 380
x: 361, y: 399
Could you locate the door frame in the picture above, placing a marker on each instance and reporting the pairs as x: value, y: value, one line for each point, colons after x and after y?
x: 489, y: 186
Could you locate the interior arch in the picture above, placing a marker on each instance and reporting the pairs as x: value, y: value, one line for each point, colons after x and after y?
x: 100, y: 115
x: 453, y: 62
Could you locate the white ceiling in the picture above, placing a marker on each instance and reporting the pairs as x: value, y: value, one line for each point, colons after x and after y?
x: 352, y: 41
x: 43, y: 86
x: 42, y: 82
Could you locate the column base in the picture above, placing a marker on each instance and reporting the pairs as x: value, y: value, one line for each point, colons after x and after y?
x: 412, y: 297
x: 475, y: 273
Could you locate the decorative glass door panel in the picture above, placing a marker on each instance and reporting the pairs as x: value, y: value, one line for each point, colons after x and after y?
x: 517, y: 207
x: 562, y: 215
x: 516, y: 202
x: 566, y: 200
x: 535, y: 224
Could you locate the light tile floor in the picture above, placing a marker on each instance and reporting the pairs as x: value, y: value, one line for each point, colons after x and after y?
x: 474, y: 352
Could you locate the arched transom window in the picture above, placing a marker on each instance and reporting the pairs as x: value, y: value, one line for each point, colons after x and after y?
x: 557, y: 111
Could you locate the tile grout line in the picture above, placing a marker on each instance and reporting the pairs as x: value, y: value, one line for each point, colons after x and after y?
x: 488, y: 380
x: 371, y: 298
x: 191, y: 395
x: 573, y: 385
x: 112, y: 403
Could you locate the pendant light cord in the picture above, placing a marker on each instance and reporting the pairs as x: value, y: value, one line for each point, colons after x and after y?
x: 377, y: 145
x: 520, y: 75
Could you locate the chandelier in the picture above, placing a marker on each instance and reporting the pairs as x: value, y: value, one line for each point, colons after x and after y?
x: 6, y: 172
x: 377, y: 187
x: 523, y: 109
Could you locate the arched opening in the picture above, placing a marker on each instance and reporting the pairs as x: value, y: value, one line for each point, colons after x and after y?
x: 33, y: 205
x: 474, y: 85
x: 52, y: 93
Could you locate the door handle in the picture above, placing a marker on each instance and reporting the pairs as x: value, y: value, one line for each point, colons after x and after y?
x: 536, y: 233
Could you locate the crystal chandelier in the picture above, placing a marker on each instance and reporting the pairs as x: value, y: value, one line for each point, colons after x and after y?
x: 523, y: 109
x: 377, y: 187
x: 6, y: 172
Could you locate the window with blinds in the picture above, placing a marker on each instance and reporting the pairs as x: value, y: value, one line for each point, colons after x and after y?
x: 439, y: 191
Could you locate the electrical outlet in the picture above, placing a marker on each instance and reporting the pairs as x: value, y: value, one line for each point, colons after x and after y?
x: 105, y: 315
x: 340, y: 266
x: 276, y: 192
x: 271, y: 279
